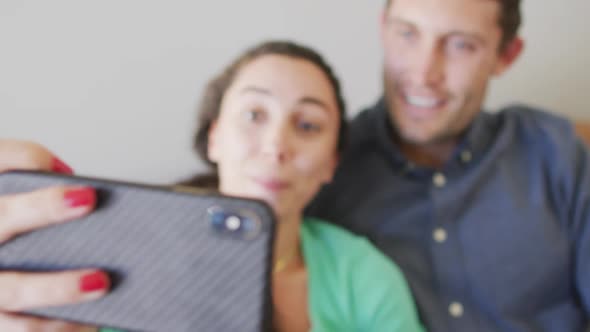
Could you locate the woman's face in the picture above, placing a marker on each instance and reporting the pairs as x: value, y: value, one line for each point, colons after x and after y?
x: 277, y: 133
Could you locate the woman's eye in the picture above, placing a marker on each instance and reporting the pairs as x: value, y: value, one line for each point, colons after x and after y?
x: 254, y: 115
x: 309, y: 127
x: 407, y: 34
x: 463, y: 46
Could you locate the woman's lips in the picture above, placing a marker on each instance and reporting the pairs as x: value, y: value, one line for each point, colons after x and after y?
x: 272, y: 184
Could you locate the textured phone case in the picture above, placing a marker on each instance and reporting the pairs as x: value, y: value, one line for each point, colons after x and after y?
x: 173, y: 269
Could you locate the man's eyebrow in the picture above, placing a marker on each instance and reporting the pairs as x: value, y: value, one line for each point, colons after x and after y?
x: 397, y: 20
x: 471, y: 35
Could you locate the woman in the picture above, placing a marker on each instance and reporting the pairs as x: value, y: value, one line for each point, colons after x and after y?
x: 272, y: 126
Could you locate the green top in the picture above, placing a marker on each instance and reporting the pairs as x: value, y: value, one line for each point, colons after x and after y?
x: 352, y: 285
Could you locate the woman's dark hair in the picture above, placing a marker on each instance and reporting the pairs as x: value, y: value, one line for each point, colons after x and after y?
x: 209, y: 107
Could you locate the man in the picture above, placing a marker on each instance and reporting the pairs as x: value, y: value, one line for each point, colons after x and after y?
x: 487, y: 214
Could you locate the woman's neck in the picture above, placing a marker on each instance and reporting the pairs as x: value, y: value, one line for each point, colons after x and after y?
x: 287, y: 249
x: 289, y: 286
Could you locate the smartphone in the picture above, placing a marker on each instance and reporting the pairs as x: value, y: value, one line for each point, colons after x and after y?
x: 180, y: 259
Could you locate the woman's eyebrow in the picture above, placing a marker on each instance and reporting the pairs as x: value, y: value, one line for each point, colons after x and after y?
x: 255, y: 89
x: 303, y: 100
x: 313, y: 101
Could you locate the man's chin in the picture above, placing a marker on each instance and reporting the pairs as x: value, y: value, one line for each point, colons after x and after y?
x: 421, y: 135
x: 416, y: 140
x: 410, y: 132
x: 425, y: 140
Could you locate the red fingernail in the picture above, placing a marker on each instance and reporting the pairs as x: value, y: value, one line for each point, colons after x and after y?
x: 93, y: 282
x: 59, y: 166
x: 80, y: 197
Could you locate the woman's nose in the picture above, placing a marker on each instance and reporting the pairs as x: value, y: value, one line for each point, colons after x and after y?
x: 277, y: 144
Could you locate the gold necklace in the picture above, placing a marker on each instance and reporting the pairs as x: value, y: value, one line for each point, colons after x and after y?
x: 284, y: 261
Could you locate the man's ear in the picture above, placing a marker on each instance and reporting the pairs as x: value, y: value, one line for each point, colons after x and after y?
x: 212, y: 144
x: 509, y: 55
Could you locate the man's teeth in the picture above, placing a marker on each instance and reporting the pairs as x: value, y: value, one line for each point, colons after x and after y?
x: 422, y: 101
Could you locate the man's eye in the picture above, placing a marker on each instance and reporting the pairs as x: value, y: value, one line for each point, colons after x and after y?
x: 406, y: 33
x: 463, y: 46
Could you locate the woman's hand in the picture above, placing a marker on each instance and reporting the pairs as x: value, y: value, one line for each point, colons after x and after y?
x: 20, y: 213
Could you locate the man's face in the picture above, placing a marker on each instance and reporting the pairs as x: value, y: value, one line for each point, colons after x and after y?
x: 439, y: 57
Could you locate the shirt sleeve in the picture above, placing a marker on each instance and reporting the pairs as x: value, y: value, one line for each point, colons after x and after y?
x: 385, y: 302
x: 580, y: 223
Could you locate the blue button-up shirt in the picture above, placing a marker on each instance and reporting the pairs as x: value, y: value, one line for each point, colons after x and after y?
x: 496, y: 240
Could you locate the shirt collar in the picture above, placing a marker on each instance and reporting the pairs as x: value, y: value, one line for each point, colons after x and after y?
x: 472, y: 146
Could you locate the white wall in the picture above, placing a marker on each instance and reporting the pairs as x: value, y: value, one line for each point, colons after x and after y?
x: 111, y: 86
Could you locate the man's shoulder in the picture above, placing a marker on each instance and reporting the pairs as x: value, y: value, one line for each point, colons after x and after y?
x: 536, y: 122
x: 364, y: 126
x: 544, y: 135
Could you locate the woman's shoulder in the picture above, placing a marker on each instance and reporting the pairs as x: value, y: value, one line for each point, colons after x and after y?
x: 343, y: 245
x: 337, y: 238
x: 330, y: 234
x: 335, y: 248
x: 357, y: 283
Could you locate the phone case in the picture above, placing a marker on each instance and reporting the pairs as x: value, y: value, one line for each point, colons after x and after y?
x: 180, y: 260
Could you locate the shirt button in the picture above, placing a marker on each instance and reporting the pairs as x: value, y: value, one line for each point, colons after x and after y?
x: 439, y: 180
x: 439, y: 235
x: 466, y: 156
x: 409, y: 168
x: 456, y: 309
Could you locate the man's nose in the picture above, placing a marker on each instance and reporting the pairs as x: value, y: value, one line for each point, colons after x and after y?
x: 427, y: 66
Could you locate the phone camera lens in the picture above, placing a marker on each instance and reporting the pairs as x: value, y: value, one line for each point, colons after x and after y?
x: 217, y: 218
x: 233, y: 223
x: 244, y: 223
x: 248, y: 225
